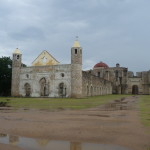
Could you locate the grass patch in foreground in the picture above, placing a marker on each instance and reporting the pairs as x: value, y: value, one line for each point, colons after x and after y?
x: 145, y: 109
x: 59, y: 103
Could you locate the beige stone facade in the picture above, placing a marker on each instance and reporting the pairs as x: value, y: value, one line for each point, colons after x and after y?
x: 123, y: 81
x: 139, y: 84
x: 48, y: 78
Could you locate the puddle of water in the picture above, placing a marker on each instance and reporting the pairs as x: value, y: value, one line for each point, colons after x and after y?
x: 100, y: 115
x: 45, y: 144
x: 117, y: 105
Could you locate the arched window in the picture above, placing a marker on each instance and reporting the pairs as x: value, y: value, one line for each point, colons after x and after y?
x: 91, y: 91
x: 62, y: 90
x: 27, y: 76
x: 87, y: 90
x: 43, y: 87
x: 62, y: 74
x: 27, y: 88
x: 106, y: 91
x: 100, y: 92
x: 97, y: 91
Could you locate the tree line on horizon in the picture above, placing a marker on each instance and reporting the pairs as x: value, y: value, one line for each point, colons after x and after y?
x: 5, y: 76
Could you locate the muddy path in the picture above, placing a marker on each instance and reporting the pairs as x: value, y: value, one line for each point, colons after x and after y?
x: 114, y: 123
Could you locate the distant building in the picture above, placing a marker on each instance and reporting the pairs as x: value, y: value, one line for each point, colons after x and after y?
x: 123, y: 81
x: 48, y: 78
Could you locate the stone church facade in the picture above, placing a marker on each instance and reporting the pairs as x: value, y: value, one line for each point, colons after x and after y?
x: 48, y: 78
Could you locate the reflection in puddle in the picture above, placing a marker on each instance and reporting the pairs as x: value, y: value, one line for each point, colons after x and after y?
x: 45, y: 144
x: 3, y: 135
x: 13, y: 139
x: 75, y: 146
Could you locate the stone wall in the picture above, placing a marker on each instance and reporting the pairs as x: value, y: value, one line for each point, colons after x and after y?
x: 133, y: 83
x: 49, y: 81
x: 141, y: 80
x: 93, y: 85
x: 117, y: 75
x: 145, y: 75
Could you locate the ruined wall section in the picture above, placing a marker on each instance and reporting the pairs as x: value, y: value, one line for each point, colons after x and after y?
x: 117, y: 75
x: 141, y: 80
x: 145, y: 81
x: 53, y: 76
x: 94, y: 85
x: 135, y: 81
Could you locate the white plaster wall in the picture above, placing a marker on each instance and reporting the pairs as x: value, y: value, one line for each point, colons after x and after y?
x: 52, y: 74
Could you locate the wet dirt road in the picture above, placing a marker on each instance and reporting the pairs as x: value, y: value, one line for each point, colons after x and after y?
x: 115, y: 123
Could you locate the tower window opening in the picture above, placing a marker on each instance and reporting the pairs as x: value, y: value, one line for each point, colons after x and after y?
x: 75, y: 51
x: 17, y: 56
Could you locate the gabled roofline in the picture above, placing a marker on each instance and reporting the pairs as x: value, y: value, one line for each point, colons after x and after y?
x: 48, y: 53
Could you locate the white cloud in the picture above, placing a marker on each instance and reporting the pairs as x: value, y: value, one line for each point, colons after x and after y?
x: 109, y: 30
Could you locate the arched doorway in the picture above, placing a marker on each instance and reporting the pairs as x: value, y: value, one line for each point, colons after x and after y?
x: 100, y: 92
x: 62, y: 90
x: 106, y: 91
x: 43, y: 87
x: 91, y: 90
x: 27, y: 88
x: 87, y: 90
x: 135, y: 89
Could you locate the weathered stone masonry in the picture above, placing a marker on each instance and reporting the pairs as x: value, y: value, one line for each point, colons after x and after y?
x: 48, y: 78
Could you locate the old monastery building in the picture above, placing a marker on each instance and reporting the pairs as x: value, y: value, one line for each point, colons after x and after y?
x: 48, y: 78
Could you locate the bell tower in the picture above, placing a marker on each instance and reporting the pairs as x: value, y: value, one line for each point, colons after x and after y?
x: 76, y: 70
x: 16, y: 68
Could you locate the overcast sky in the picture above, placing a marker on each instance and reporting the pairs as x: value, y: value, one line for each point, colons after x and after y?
x: 112, y: 31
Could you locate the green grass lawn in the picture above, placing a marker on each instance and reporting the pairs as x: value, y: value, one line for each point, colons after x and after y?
x: 59, y: 103
x: 144, y: 104
x: 70, y: 103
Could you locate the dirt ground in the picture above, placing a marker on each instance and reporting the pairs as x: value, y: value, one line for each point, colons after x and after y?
x: 114, y: 123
